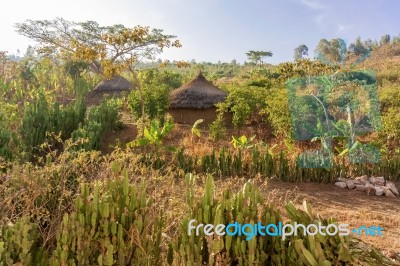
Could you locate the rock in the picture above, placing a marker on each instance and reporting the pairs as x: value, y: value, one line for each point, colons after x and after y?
x: 377, y: 181
x: 378, y: 191
x: 363, y: 179
x: 361, y: 188
x: 341, y: 184
x: 370, y: 189
x: 341, y: 179
x: 388, y: 193
x: 350, y: 184
x: 357, y: 182
x: 393, y: 188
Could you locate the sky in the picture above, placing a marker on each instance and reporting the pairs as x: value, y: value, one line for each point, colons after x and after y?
x: 219, y: 30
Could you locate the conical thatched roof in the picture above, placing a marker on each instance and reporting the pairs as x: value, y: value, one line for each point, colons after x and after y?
x: 197, y: 94
x: 113, y: 88
x: 117, y: 83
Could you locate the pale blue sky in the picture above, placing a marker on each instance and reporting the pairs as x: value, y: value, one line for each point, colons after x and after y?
x: 212, y: 30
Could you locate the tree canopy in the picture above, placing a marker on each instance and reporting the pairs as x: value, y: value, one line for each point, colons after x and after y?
x: 108, y: 49
x: 385, y: 39
x: 257, y: 57
x: 300, y: 51
x: 333, y: 51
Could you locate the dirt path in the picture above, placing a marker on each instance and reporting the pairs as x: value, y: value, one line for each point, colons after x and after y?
x: 349, y: 206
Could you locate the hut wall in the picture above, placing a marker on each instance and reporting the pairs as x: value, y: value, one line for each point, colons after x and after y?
x: 190, y: 116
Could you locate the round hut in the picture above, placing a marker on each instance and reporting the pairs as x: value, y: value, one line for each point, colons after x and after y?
x: 195, y: 100
x: 115, y: 87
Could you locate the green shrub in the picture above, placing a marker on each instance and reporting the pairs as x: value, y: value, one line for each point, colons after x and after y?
x: 166, y: 77
x: 277, y: 111
x: 88, y: 137
x: 243, y: 102
x: 41, y: 118
x: 106, y: 114
x: 217, y: 127
x: 35, y: 123
x: 99, y: 120
x: 20, y: 244
x: 7, y: 138
x: 156, y: 101
x: 156, y: 87
x: 389, y: 96
x: 391, y: 122
x: 67, y: 119
x: 111, y: 226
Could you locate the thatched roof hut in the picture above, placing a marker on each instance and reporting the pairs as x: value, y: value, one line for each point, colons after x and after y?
x: 114, y: 87
x: 197, y: 94
x: 195, y: 100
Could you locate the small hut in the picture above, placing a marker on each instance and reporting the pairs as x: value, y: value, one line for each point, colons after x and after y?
x: 195, y: 100
x: 114, y: 87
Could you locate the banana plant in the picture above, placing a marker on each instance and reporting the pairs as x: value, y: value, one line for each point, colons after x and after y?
x: 324, y: 137
x: 195, y: 128
x: 154, y: 134
x: 242, y: 142
x: 270, y: 150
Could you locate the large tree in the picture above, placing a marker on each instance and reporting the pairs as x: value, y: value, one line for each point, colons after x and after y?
x: 333, y: 51
x: 300, y: 51
x: 257, y: 57
x: 385, y: 39
x: 108, y: 49
x: 358, y: 47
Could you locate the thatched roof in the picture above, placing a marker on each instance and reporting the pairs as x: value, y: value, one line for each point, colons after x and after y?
x: 117, y: 83
x: 113, y: 88
x: 197, y: 94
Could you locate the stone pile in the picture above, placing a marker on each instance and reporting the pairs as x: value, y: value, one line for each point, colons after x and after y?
x: 377, y: 186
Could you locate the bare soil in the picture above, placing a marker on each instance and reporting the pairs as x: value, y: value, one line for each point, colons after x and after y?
x: 349, y: 206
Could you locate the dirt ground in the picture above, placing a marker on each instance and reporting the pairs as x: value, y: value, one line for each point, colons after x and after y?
x: 349, y: 206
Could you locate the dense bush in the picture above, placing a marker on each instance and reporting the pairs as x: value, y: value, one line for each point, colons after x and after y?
x: 391, y: 122
x: 35, y: 123
x: 41, y: 118
x: 244, y: 102
x: 106, y: 114
x: 66, y: 119
x: 218, y: 127
x: 259, y: 77
x: 389, y: 96
x: 169, y: 78
x: 111, y: 225
x: 156, y: 87
x: 277, y: 111
x: 99, y: 119
x: 156, y: 101
x: 21, y: 243
x: 88, y: 136
x: 7, y: 138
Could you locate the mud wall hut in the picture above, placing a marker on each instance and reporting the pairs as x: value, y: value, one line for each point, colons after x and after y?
x: 196, y: 100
